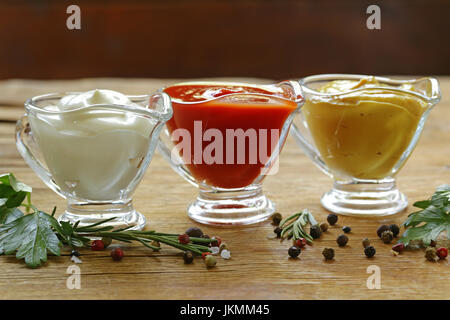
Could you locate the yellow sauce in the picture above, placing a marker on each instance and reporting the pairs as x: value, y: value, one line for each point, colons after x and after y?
x: 363, y: 134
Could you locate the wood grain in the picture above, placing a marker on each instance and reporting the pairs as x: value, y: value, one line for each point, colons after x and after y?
x: 259, y: 268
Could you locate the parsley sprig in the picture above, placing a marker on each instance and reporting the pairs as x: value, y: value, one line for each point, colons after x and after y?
x: 34, y: 234
x: 427, y: 224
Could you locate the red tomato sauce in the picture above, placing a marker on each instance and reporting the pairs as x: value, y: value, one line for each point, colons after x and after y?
x: 241, y: 107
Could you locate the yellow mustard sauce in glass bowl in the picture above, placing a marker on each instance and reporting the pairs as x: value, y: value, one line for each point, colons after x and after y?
x: 363, y: 134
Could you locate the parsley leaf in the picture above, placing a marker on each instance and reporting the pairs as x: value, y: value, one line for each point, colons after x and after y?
x: 9, y: 214
x: 31, y: 237
x: 434, y: 218
x: 12, y: 192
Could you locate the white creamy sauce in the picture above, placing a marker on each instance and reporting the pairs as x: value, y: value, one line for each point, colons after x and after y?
x: 93, y: 152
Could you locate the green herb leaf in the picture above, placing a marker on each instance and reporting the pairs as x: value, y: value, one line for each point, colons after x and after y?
x: 12, y: 192
x: 30, y: 237
x: 9, y: 214
x: 429, y: 223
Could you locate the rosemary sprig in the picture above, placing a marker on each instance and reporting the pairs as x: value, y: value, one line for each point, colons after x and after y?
x: 73, y: 236
x: 294, y: 226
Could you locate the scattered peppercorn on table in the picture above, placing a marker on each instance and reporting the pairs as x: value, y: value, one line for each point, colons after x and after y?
x: 259, y: 268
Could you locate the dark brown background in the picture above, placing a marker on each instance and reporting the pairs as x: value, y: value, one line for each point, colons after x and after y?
x: 266, y: 38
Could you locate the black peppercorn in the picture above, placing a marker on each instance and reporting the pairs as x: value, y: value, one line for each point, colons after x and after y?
x: 194, y: 232
x: 395, y: 229
x: 342, y: 240
x: 278, y: 231
x: 188, y: 257
x: 381, y: 229
x: 387, y: 236
x: 75, y: 253
x: 369, y: 251
x: 315, y: 232
x: 276, y: 218
x: 346, y: 229
x: 328, y: 253
x: 332, y: 219
x: 294, y: 251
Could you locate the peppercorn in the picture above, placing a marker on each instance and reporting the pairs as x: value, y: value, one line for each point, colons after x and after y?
x: 395, y: 229
x: 332, y: 219
x: 194, y: 232
x: 183, y: 238
x: 188, y: 257
x: 97, y: 245
x: 315, y: 232
x: 294, y: 251
x: 433, y: 243
x: 346, y: 229
x: 387, y: 236
x: 366, y: 242
x: 216, y: 241
x: 210, y: 261
x: 301, y: 242
x: 431, y: 253
x: 107, y: 241
x: 204, y: 254
x: 276, y: 218
x: 117, y: 254
x: 381, y: 229
x: 399, y: 247
x: 223, y: 246
x: 342, y: 240
x: 442, y: 253
x: 75, y: 253
x: 369, y: 251
x: 278, y: 231
x: 155, y: 244
x: 324, y: 226
x: 328, y: 253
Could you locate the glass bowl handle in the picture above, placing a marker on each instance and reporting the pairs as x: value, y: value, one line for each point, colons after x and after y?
x: 171, y: 155
x: 25, y: 144
x: 308, y: 146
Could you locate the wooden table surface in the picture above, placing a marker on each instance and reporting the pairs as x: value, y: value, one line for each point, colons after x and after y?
x: 259, y: 267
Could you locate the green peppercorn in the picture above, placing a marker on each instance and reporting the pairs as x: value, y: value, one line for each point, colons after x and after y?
x: 342, y: 240
x: 395, y: 229
x: 315, y: 232
x: 332, y: 219
x: 381, y: 229
x: 328, y: 253
x: 107, y: 241
x: 431, y: 254
x: 346, y: 229
x: 369, y: 251
x: 223, y: 246
x: 210, y: 261
x: 278, y: 231
x: 188, y: 257
x: 294, y: 251
x: 366, y: 242
x: 276, y: 218
x: 324, y: 226
x: 194, y: 232
x: 387, y: 236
